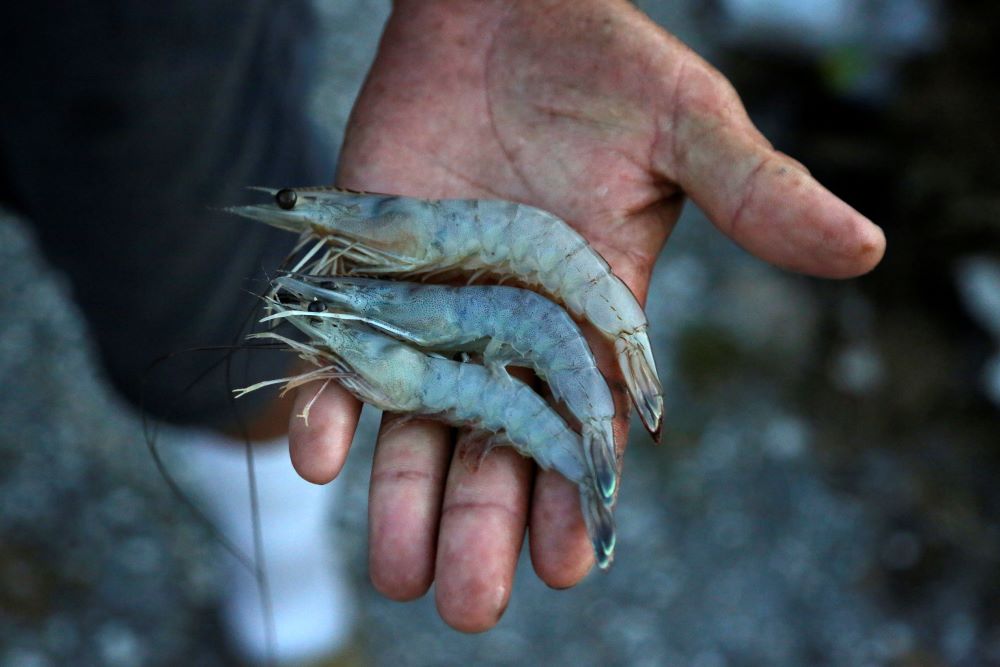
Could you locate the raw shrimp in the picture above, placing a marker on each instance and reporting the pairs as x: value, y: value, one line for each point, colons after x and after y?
x: 395, y: 377
x: 402, y: 236
x: 507, y: 325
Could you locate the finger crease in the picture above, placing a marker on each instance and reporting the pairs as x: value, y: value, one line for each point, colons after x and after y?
x: 477, y: 506
x: 749, y: 188
x: 672, y: 171
x: 397, y: 476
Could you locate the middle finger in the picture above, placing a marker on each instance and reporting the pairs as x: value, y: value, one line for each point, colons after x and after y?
x: 483, y: 520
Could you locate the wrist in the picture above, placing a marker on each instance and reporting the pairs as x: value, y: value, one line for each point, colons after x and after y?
x: 433, y: 16
x: 451, y: 7
x: 435, y: 29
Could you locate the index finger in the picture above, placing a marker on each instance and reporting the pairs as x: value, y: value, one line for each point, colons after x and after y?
x: 318, y: 446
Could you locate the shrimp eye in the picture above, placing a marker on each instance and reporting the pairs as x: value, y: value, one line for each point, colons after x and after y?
x: 286, y: 198
x: 316, y: 307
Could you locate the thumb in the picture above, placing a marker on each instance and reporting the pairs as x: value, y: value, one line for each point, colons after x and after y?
x: 760, y: 198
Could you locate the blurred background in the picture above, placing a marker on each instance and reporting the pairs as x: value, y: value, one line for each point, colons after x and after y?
x: 828, y: 490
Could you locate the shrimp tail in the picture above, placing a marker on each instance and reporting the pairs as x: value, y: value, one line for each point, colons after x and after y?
x: 599, y: 447
x: 635, y: 358
x: 600, y: 527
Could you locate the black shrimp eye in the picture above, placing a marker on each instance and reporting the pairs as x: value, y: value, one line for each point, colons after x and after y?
x: 286, y: 198
x: 316, y: 307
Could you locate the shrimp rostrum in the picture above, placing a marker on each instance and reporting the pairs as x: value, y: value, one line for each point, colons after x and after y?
x: 507, y: 325
x: 388, y: 235
x: 395, y: 377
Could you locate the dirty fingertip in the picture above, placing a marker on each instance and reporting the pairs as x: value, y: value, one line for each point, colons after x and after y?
x: 471, y: 598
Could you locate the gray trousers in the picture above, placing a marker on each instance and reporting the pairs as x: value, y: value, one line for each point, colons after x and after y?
x: 124, y: 126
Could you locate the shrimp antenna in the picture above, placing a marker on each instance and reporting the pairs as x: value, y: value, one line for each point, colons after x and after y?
x: 255, y: 564
x: 150, y: 432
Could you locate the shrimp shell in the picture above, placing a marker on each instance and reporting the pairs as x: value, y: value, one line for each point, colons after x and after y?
x: 507, y: 325
x: 398, y: 236
x: 395, y: 377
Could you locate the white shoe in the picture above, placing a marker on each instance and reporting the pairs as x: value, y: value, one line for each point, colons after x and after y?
x: 313, y: 608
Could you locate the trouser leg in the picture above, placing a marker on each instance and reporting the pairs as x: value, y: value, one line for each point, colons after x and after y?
x: 125, y: 126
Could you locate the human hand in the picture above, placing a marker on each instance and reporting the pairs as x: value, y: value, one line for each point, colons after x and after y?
x: 590, y: 111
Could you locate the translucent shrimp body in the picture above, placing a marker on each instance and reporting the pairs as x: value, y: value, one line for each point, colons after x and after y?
x: 395, y: 377
x: 402, y: 236
x: 507, y: 325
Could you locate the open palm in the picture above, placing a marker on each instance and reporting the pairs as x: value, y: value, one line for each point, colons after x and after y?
x: 590, y: 111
